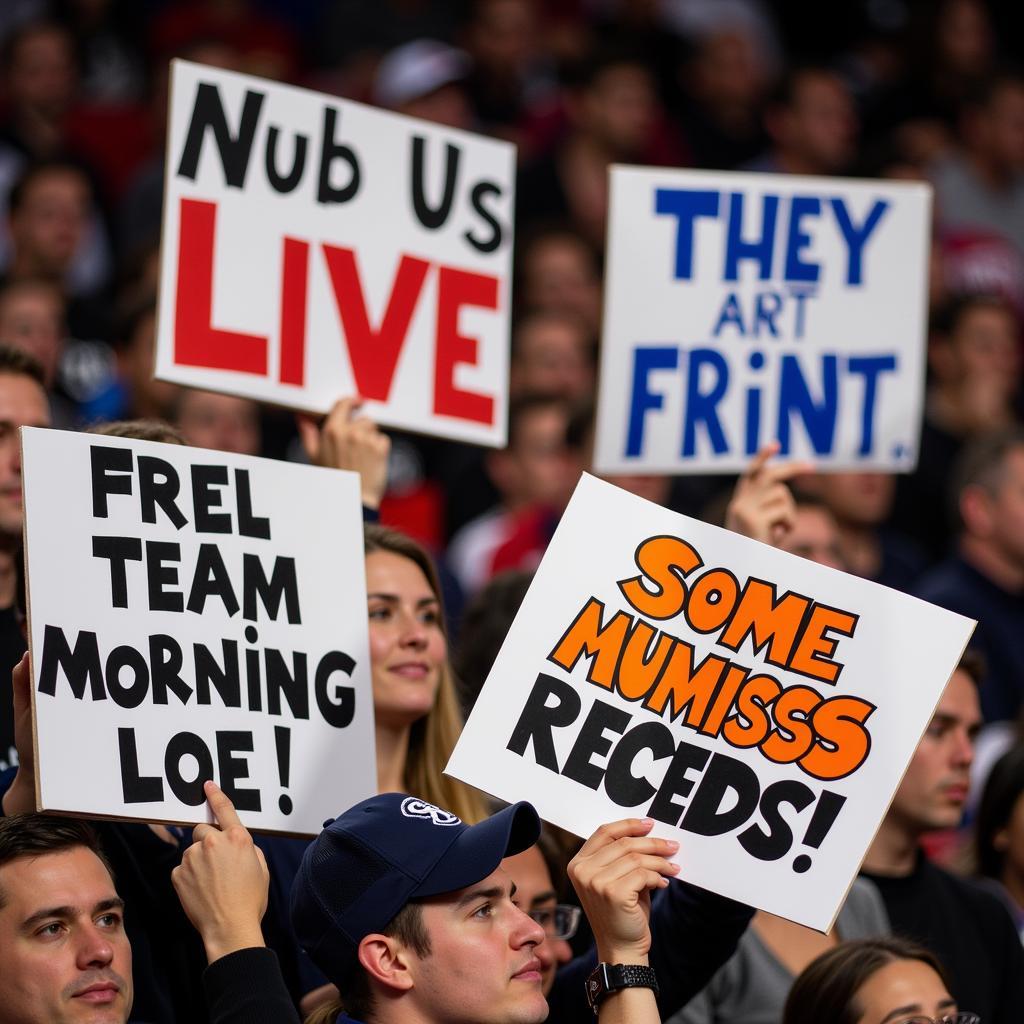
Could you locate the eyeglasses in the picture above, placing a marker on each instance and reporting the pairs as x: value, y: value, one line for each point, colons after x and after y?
x: 950, y: 1018
x: 561, y: 922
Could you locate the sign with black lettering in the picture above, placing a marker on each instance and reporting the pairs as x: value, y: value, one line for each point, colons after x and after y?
x: 195, y: 615
x: 315, y: 248
x: 747, y: 308
x: 761, y: 708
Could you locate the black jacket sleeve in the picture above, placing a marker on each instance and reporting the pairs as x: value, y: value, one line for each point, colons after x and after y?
x: 246, y: 987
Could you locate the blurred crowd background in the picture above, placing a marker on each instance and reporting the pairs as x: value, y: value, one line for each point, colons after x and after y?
x: 909, y: 89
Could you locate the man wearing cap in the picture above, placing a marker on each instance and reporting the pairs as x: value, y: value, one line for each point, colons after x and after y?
x: 409, y: 912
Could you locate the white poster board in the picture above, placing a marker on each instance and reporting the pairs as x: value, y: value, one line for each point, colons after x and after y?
x: 315, y: 248
x: 745, y: 308
x: 760, y: 707
x: 194, y: 615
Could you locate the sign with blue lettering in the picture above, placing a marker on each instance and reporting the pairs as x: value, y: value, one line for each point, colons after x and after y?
x: 746, y: 308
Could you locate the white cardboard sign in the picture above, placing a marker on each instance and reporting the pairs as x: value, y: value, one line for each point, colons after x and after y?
x: 745, y: 308
x: 195, y: 615
x: 760, y: 707
x: 315, y: 248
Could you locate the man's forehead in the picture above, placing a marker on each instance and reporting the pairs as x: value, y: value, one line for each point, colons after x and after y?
x: 960, y: 700
x: 23, y: 400
x: 530, y: 873
x: 70, y: 877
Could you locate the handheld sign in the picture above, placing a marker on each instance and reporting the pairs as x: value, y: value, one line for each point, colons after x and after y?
x: 315, y: 248
x: 195, y: 615
x: 746, y: 308
x: 759, y: 707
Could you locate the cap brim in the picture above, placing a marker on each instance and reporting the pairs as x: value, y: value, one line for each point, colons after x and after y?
x: 480, y: 849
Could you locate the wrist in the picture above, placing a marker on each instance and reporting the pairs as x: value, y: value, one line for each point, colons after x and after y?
x: 622, y: 954
x: 224, y: 942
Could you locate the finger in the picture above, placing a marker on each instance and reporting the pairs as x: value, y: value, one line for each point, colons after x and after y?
x: 625, y: 866
x: 344, y: 408
x: 622, y: 849
x: 223, y: 809
x: 20, y: 677
x: 784, y: 471
x: 757, y: 463
x: 613, y: 831
x: 309, y: 433
x: 201, y: 831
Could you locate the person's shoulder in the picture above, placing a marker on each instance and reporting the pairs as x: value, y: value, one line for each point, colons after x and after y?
x: 978, y: 899
x: 951, y: 583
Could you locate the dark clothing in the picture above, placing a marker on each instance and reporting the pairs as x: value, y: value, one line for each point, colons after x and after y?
x: 246, y: 987
x: 1000, y: 634
x: 12, y: 647
x: 693, y: 932
x: 968, y: 929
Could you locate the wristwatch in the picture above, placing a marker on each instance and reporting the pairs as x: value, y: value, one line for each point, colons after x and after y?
x: 607, y: 978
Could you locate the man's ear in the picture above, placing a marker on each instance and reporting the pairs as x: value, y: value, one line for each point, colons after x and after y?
x: 386, y: 961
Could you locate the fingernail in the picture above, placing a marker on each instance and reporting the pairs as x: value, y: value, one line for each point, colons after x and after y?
x: 674, y: 868
x: 671, y: 844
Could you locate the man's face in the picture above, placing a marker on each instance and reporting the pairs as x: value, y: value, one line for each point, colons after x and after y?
x: 1006, y: 508
x: 48, y: 226
x: 815, y: 536
x: 22, y: 404
x: 861, y: 499
x: 934, y: 789
x: 536, y: 894
x: 821, y: 123
x: 553, y: 358
x: 483, y: 965
x: 66, y: 957
x: 32, y: 320
x: 225, y: 423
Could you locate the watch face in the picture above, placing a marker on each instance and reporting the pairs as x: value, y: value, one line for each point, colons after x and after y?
x: 595, y: 986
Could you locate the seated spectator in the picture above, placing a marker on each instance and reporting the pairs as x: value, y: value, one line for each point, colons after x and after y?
x: 983, y: 187
x: 552, y: 354
x: 966, y: 927
x: 974, y: 358
x: 873, y: 980
x: 812, y: 123
x: 860, y: 503
x: 535, y: 476
x: 224, y: 423
x: 984, y: 580
x: 999, y: 831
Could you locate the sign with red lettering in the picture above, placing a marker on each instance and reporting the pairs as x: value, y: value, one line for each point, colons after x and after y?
x: 315, y: 248
x: 761, y: 708
x: 215, y: 629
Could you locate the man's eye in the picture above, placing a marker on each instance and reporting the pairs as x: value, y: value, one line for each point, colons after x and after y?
x: 487, y: 910
x: 543, y: 917
x: 50, y: 930
x: 111, y: 920
x: 380, y: 614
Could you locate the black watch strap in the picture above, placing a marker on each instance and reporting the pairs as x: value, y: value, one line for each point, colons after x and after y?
x: 607, y: 978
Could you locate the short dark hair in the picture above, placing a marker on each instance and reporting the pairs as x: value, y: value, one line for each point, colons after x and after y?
x: 827, y: 988
x: 407, y: 926
x: 39, y: 169
x: 948, y: 317
x: 16, y: 363
x: 981, y: 464
x: 29, y: 835
x: 141, y: 430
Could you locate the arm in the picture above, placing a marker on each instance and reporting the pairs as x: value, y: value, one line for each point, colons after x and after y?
x: 222, y: 884
x: 762, y: 505
x: 347, y: 441
x: 20, y: 798
x: 614, y: 874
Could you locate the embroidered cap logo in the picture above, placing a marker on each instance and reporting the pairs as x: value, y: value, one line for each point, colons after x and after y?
x: 413, y: 808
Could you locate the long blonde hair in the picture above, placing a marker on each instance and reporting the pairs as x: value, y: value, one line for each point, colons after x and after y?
x: 432, y: 737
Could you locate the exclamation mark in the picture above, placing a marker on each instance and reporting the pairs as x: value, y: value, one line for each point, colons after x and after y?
x: 283, y: 738
x: 825, y: 814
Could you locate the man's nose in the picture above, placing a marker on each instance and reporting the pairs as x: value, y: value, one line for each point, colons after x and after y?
x: 95, y: 948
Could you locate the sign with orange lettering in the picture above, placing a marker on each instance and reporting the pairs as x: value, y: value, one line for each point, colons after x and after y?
x: 759, y: 707
x: 315, y: 248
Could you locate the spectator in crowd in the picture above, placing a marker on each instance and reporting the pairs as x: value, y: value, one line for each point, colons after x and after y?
x: 872, y: 980
x: 66, y: 952
x: 983, y: 186
x: 425, y: 78
x: 534, y: 476
x: 557, y: 272
x: 225, y: 423
x: 984, y: 579
x: 812, y: 123
x: 23, y: 402
x: 999, y: 832
x: 860, y: 504
x: 967, y: 928
x: 974, y: 358
x: 552, y: 354
x: 136, y: 393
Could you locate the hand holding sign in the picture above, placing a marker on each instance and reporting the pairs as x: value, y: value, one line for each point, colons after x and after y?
x: 347, y: 441
x: 21, y: 797
x: 762, y: 506
x: 613, y: 874
x: 223, y: 881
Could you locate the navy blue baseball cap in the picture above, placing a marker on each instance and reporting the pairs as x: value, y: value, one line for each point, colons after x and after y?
x: 372, y: 860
